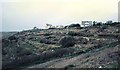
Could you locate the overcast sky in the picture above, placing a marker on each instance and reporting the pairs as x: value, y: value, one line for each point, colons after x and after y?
x: 25, y: 14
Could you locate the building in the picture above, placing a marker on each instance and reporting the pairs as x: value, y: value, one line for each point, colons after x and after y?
x: 109, y: 22
x: 86, y: 23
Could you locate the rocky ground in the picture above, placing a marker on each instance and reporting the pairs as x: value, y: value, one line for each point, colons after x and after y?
x: 90, y: 47
x: 95, y: 59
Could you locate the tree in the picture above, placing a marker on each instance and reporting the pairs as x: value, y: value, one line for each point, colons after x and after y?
x: 94, y: 23
x: 99, y: 24
x: 66, y: 27
x: 35, y: 28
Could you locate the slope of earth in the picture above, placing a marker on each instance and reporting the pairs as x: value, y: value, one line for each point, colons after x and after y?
x: 107, y: 58
x: 7, y: 34
x: 68, y: 47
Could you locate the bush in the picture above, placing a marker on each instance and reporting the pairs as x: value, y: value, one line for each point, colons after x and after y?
x: 23, y: 52
x: 71, y: 33
x: 12, y: 38
x: 104, y: 27
x: 82, y: 40
x: 67, y: 42
x: 47, y: 34
x: 74, y: 25
x: 5, y: 43
x: 99, y: 24
x: 47, y: 41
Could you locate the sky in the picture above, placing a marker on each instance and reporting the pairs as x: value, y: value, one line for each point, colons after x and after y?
x: 17, y: 15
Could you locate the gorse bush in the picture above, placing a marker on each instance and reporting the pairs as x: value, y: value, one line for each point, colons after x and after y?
x: 67, y: 41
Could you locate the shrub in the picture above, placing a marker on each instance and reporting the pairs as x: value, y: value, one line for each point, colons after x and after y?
x: 12, y: 38
x: 74, y: 25
x: 99, y: 24
x: 5, y: 43
x: 47, y: 34
x: 47, y: 41
x: 83, y: 40
x: 104, y: 27
x: 23, y: 52
x: 69, y: 66
x: 71, y: 33
x: 67, y: 41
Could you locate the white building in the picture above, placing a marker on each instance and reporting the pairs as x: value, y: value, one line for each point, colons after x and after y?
x: 109, y: 22
x: 86, y: 23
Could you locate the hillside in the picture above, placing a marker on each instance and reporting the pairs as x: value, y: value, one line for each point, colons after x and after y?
x: 7, y: 34
x: 89, y: 47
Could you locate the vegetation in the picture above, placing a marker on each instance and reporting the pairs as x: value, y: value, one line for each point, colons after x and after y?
x: 71, y: 33
x: 67, y: 41
x: 74, y: 25
x: 37, y: 46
